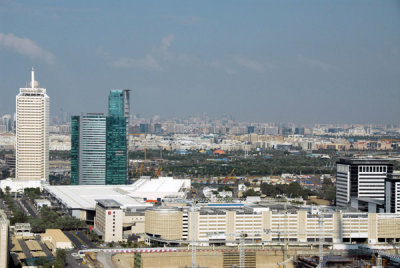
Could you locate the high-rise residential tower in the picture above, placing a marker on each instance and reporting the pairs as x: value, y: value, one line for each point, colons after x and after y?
x: 32, y: 133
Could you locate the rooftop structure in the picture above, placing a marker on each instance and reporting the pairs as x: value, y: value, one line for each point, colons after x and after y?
x: 108, y: 203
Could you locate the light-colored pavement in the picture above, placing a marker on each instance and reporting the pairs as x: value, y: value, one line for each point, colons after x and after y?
x: 106, y: 260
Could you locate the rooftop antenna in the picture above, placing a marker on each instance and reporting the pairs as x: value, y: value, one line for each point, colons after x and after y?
x: 33, y: 78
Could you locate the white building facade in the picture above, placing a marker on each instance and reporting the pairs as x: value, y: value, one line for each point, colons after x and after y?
x: 32, y: 133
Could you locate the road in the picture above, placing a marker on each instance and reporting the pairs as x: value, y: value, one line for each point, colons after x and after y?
x: 74, y: 240
x: 73, y: 262
x: 31, y: 209
x: 21, y: 207
x: 85, y: 239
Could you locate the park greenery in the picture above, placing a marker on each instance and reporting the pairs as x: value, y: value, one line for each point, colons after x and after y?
x: 267, y: 163
x: 50, y: 219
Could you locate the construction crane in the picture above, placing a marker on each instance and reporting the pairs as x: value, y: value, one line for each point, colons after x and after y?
x: 229, y: 176
x: 158, y: 171
x: 145, y: 158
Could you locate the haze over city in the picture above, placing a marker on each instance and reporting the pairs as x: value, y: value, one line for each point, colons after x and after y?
x: 305, y: 62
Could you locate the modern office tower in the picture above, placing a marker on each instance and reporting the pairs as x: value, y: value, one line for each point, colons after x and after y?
x: 392, y: 194
x: 118, y: 109
x: 4, y: 224
x: 116, y: 150
x: 32, y: 133
x: 88, y: 149
x: 361, y: 179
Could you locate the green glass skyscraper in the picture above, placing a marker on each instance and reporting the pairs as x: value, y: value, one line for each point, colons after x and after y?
x: 99, y: 144
x: 117, y: 137
x: 116, y: 150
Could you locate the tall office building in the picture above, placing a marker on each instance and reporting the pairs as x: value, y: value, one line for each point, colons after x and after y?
x: 116, y: 150
x: 99, y: 143
x: 32, y: 133
x: 361, y: 179
x: 88, y: 149
x: 117, y: 147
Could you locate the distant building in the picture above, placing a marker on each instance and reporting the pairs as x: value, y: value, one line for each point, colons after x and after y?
x: 144, y: 128
x: 32, y: 145
x: 361, y: 178
x: 285, y: 131
x: 250, y: 129
x: 158, y: 128
x: 299, y: 131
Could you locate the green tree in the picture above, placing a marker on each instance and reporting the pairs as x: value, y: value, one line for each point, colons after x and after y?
x: 19, y: 217
x: 294, y: 190
x: 250, y: 192
x: 60, y: 258
x: 268, y: 189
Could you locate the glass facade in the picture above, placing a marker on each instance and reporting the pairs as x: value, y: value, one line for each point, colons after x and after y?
x: 116, y: 150
x: 75, y: 150
x: 88, y: 149
x: 99, y: 144
x: 116, y: 103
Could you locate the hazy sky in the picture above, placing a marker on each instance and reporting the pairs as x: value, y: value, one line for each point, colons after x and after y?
x: 270, y: 61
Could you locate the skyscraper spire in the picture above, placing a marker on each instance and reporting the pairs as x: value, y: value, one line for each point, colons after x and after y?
x: 33, y: 78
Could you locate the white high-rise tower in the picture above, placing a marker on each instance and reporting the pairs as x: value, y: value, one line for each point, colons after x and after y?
x: 32, y: 144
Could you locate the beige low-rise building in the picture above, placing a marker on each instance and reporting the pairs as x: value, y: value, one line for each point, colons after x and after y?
x: 55, y: 239
x: 108, y: 222
x: 261, y: 225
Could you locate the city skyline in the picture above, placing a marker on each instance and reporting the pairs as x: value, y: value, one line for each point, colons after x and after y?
x: 315, y: 62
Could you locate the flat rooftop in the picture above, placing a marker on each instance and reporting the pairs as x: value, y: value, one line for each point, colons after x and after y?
x: 85, y: 196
